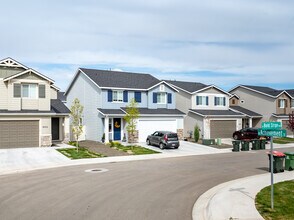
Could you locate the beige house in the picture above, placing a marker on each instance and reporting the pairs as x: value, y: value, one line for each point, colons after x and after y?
x: 208, y: 107
x: 31, y: 115
x: 271, y: 104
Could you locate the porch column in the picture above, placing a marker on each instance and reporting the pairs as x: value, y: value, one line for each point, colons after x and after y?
x: 106, y: 122
x: 250, y: 122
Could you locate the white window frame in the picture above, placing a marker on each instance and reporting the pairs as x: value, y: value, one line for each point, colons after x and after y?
x: 161, y: 98
x: 110, y: 132
x: 117, y: 96
x: 292, y: 103
x: 282, y: 103
x: 30, y: 93
x: 202, y: 100
x: 220, y: 101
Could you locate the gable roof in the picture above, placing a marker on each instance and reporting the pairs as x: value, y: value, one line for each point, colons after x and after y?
x: 189, y: 87
x: 274, y: 93
x: 216, y: 113
x: 28, y: 71
x: 9, y: 62
x: 117, y: 79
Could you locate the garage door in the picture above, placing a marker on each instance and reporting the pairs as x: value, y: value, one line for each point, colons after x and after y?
x: 16, y: 134
x: 147, y: 127
x: 222, y: 128
x: 285, y: 126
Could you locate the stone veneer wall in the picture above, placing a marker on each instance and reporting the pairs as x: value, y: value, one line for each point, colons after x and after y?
x: 133, y: 138
x: 180, y: 133
x: 46, y: 140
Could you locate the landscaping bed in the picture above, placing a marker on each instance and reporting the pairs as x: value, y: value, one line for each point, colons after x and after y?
x: 80, y: 153
x: 284, y: 140
x: 283, y: 201
x: 132, y: 149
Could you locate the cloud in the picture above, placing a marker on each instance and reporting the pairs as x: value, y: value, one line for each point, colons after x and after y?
x: 223, y: 42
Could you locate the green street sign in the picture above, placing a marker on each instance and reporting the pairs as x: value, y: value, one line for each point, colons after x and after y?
x: 271, y: 125
x: 272, y: 133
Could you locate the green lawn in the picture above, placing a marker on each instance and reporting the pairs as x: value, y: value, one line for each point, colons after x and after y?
x: 72, y: 153
x: 284, y: 140
x: 283, y: 198
x: 137, y: 150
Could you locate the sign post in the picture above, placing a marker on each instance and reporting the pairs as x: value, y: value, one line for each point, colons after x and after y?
x: 272, y: 129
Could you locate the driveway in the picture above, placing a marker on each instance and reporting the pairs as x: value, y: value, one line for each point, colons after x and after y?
x: 187, y: 148
x: 29, y: 158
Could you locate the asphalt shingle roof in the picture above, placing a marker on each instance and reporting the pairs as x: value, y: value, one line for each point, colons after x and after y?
x: 61, y: 96
x: 158, y: 111
x: 216, y: 112
x: 188, y: 86
x: 246, y: 111
x: 111, y: 111
x: 266, y: 90
x: 117, y: 79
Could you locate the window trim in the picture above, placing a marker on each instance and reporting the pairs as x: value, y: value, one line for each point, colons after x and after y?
x: 280, y: 103
x: 117, y: 92
x: 223, y: 104
x: 164, y: 95
x: 203, y: 97
x: 292, y: 103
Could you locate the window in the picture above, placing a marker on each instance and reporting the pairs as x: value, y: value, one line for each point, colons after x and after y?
x: 233, y: 101
x: 242, y: 101
x: 161, y: 98
x: 137, y: 97
x: 220, y: 101
x: 282, y: 103
x: 117, y: 96
x: 29, y: 91
x: 292, y: 103
x: 201, y: 100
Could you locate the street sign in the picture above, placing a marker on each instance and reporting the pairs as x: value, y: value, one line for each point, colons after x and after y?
x: 271, y: 125
x: 272, y: 133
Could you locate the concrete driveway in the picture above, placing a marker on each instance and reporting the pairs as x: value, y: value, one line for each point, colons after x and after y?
x: 28, y: 158
x: 187, y: 148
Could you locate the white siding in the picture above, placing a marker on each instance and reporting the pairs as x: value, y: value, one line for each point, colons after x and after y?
x: 90, y: 97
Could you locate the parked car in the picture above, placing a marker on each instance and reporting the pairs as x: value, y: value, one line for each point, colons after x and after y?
x: 163, y: 139
x: 247, y: 133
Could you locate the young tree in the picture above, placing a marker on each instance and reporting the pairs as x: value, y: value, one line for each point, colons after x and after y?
x: 76, y: 112
x: 131, y: 119
x: 291, y: 122
x: 196, y: 133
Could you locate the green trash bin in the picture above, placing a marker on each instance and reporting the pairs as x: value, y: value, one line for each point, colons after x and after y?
x: 262, y: 144
x: 236, y: 145
x: 289, y: 161
x: 278, y: 163
x: 245, y: 145
x: 255, y: 144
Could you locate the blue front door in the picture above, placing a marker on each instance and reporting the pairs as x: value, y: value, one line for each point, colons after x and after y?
x: 117, y: 129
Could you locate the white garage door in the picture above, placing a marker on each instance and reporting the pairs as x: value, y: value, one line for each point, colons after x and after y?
x: 147, y: 127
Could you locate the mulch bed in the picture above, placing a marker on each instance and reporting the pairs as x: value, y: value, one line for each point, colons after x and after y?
x: 100, y: 148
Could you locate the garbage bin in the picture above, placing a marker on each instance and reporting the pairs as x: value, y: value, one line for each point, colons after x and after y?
x: 255, y: 144
x: 245, y: 145
x: 278, y: 163
x: 289, y: 161
x: 262, y: 144
x: 236, y: 145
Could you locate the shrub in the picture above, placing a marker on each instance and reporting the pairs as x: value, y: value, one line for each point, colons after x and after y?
x: 196, y: 133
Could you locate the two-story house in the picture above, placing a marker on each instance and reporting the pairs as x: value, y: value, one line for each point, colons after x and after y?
x: 206, y: 106
x: 271, y: 104
x: 105, y: 95
x: 30, y: 113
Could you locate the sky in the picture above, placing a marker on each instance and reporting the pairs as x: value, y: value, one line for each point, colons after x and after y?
x: 220, y: 42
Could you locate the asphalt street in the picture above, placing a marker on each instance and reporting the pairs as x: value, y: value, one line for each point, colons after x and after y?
x: 151, y: 189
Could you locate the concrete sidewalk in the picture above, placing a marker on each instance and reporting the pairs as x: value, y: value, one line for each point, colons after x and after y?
x: 235, y: 199
x: 28, y: 159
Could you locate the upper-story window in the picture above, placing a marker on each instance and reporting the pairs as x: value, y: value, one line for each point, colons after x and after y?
x: 137, y: 96
x: 161, y: 98
x: 117, y: 96
x: 220, y: 101
x: 282, y: 103
x: 292, y: 103
x: 201, y: 100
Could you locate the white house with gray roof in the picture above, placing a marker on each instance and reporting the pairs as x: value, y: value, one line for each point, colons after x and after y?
x: 271, y: 104
x: 31, y: 115
x: 208, y: 107
x: 105, y: 94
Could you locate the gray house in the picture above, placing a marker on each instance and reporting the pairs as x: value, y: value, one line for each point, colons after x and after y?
x: 269, y: 103
x: 105, y: 94
x: 208, y: 107
x: 31, y: 115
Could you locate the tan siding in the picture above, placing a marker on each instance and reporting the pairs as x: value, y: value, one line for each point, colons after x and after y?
x: 53, y: 93
x: 3, y: 96
x: 183, y: 102
x: 286, y: 110
x: 234, y: 101
x: 44, y: 103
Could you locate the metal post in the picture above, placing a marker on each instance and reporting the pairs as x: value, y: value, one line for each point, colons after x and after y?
x: 272, y: 175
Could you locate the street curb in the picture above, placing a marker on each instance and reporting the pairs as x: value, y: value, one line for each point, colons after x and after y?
x: 203, y: 207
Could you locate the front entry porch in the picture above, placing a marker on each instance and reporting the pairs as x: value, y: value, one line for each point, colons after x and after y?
x: 113, y: 129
